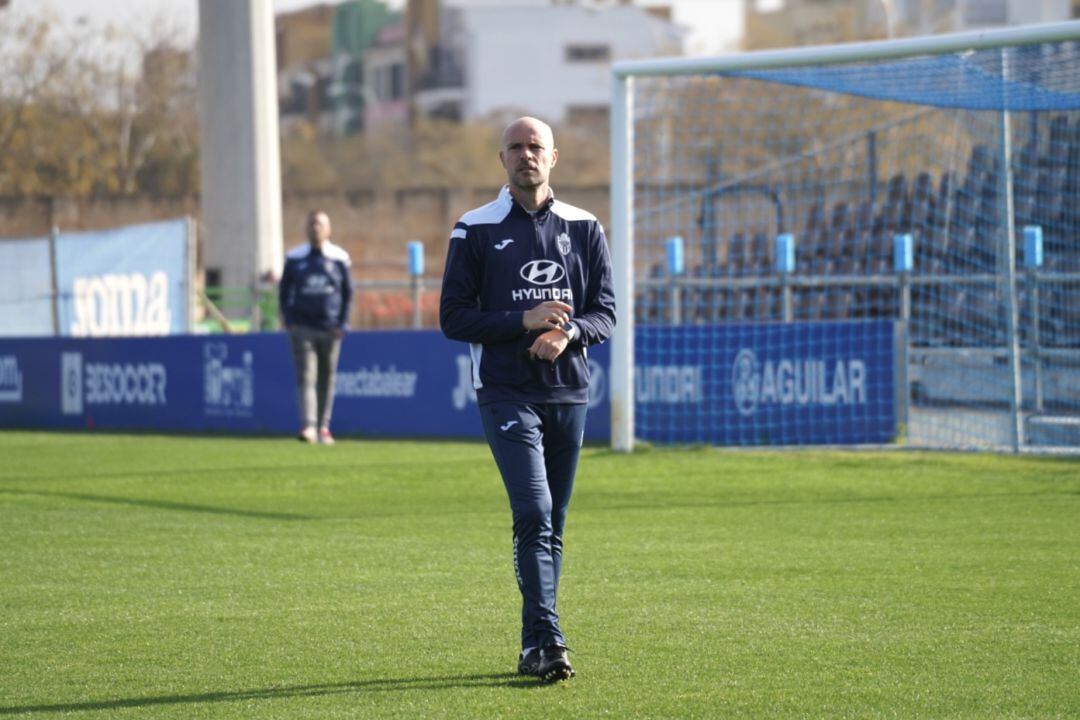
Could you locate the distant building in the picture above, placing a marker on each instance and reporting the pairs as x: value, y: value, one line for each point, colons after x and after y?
x: 355, y: 31
x: 791, y: 23
x: 976, y: 14
x: 386, y: 96
x: 357, y: 65
x: 321, y: 70
x: 304, y: 66
x: 472, y: 59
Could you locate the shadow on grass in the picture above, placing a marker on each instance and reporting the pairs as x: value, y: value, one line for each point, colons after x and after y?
x: 604, y: 503
x: 445, y: 682
x: 159, y: 504
x: 307, y: 470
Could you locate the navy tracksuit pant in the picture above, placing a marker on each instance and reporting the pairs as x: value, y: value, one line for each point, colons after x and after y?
x: 536, y: 448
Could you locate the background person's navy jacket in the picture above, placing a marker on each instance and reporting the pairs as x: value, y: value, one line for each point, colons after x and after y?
x: 316, y: 287
x: 503, y: 261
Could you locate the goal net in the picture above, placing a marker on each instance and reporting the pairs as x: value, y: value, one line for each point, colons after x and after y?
x: 852, y: 244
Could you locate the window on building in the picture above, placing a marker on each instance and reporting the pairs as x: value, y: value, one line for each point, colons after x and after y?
x: 319, y: 97
x: 397, y: 81
x: 382, y: 84
x: 354, y: 72
x: 588, y: 53
x: 390, y: 82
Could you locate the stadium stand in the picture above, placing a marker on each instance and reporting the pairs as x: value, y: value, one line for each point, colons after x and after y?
x: 953, y: 223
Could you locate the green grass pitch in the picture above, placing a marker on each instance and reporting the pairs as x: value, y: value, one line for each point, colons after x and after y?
x: 164, y: 577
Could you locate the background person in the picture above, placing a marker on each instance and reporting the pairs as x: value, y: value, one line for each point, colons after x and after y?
x: 314, y: 298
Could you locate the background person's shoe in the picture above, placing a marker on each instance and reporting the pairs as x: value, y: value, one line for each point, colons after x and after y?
x: 529, y: 663
x: 554, y: 665
x: 325, y: 438
x: 307, y: 435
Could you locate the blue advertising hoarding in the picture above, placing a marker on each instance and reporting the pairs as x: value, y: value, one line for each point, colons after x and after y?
x: 389, y: 384
x: 124, y: 282
x: 725, y: 385
x: 25, y: 287
x: 766, y: 383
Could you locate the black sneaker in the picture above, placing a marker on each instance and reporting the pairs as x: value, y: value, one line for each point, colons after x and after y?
x: 529, y: 663
x: 554, y: 665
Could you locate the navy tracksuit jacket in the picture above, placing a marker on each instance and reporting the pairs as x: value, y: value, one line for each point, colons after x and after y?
x: 502, y: 261
x: 316, y: 287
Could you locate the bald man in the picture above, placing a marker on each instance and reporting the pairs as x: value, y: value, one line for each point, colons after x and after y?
x: 528, y: 285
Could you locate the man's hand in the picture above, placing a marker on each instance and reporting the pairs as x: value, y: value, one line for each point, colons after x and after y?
x: 547, y: 315
x: 549, y: 346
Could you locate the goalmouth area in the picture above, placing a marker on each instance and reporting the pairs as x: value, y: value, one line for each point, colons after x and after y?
x: 906, y: 206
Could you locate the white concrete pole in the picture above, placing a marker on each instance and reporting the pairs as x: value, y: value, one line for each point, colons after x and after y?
x: 241, y: 166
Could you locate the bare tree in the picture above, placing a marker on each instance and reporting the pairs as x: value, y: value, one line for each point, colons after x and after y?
x: 79, y: 116
x: 29, y: 67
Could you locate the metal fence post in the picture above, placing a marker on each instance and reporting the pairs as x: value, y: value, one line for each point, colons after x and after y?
x: 54, y: 283
x: 903, y: 263
x: 785, y: 265
x: 256, y: 318
x: 416, y: 281
x: 676, y: 266
x: 1033, y: 260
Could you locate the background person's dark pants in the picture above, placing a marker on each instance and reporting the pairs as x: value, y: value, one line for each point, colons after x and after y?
x: 536, y: 448
x: 315, y: 357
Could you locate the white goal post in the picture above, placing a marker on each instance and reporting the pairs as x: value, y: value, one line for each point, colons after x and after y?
x: 628, y: 175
